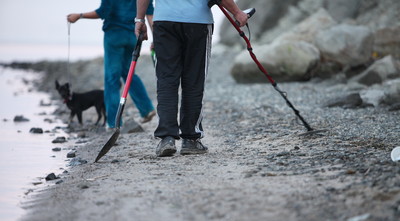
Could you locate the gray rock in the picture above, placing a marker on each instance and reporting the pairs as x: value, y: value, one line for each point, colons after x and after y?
x: 36, y: 130
x: 380, y: 71
x: 284, y: 61
x: 77, y: 161
x: 20, y: 118
x: 387, y: 41
x: 342, y: 9
x: 347, y: 45
x: 131, y: 126
x: 267, y: 15
x: 395, y: 107
x: 308, y: 29
x: 373, y: 96
x: 51, y: 176
x: 81, y: 134
x: 71, y: 154
x: 349, y: 101
x: 392, y: 92
x: 59, y: 140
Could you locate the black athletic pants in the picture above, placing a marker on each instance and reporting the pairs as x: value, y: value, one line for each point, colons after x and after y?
x: 183, y: 52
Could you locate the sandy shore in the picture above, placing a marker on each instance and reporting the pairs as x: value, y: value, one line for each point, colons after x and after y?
x: 259, y: 167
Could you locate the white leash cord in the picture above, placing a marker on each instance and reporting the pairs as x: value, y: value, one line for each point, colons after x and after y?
x: 69, y: 51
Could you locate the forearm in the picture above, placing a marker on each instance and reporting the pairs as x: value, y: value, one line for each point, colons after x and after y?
x: 142, y: 6
x: 76, y: 16
x: 90, y: 15
x: 140, y: 27
x: 240, y: 16
x: 231, y: 6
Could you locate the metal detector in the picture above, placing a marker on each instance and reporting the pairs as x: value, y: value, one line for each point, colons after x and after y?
x: 235, y: 24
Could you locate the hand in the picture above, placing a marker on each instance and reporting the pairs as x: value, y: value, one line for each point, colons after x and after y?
x: 140, y: 27
x: 241, y: 18
x: 73, y: 17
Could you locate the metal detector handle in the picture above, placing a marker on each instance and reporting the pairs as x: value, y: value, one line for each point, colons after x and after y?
x: 250, y: 12
x: 136, y: 52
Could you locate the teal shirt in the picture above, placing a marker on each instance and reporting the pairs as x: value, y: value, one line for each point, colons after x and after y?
x: 119, y: 13
x: 186, y: 11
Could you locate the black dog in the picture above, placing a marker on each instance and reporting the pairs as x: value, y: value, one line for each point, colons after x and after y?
x: 78, y: 102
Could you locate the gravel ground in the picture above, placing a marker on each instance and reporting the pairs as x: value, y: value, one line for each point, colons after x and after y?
x: 260, y: 166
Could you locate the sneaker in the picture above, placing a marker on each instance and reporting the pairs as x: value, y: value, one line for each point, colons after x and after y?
x: 193, y: 147
x: 166, y: 147
x: 149, y: 117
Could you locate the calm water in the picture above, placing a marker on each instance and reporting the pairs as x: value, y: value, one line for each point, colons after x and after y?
x: 26, y: 158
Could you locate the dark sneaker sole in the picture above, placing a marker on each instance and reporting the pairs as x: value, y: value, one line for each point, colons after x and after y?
x: 192, y: 151
x: 166, y: 153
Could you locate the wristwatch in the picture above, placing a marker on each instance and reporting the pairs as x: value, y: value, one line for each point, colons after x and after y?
x: 140, y: 20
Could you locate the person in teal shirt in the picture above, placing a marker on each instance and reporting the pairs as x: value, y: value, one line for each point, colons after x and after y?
x: 119, y: 43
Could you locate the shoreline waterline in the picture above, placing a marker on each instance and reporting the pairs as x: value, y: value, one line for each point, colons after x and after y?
x: 27, y: 157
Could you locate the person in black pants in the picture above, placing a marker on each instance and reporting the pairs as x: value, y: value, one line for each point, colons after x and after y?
x: 182, y: 42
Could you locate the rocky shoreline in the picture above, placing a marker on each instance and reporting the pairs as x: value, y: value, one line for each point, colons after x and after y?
x: 259, y: 167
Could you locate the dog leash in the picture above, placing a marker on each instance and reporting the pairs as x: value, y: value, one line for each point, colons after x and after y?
x: 69, y: 52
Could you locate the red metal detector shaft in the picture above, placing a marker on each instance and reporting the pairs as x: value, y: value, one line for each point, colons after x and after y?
x: 253, y: 56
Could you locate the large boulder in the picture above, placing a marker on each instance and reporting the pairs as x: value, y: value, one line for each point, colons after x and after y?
x: 267, y: 15
x: 346, y: 45
x: 387, y: 41
x: 294, y: 15
x: 380, y: 71
x: 378, y: 14
x: 284, y: 61
x: 309, y: 28
x: 342, y: 9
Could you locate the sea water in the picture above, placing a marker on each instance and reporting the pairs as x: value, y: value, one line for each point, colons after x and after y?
x: 25, y: 158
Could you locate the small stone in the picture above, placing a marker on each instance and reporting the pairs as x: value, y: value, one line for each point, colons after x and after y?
x: 99, y: 203
x: 71, y: 154
x: 81, y: 134
x: 331, y: 189
x: 56, y: 149
x: 36, y: 130
x: 48, y: 120
x: 20, y: 118
x: 283, y: 153
x: 77, y: 161
x: 51, y: 176
x: 83, y: 186
x: 44, y: 104
x: 59, y: 140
